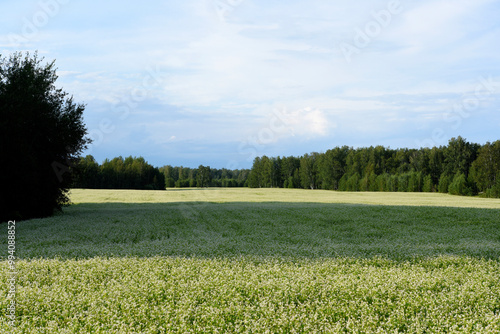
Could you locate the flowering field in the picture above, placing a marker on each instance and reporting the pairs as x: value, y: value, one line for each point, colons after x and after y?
x: 253, y: 260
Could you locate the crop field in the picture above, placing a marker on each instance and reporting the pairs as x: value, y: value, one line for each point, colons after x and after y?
x: 257, y: 261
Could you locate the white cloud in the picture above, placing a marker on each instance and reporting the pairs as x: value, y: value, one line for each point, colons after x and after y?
x: 224, y: 76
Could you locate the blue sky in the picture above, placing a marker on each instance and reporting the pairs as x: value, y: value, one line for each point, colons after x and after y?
x: 219, y: 82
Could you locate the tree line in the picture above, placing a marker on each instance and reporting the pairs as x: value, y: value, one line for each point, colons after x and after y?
x: 460, y: 168
x: 117, y: 173
x: 204, y: 176
x: 136, y: 173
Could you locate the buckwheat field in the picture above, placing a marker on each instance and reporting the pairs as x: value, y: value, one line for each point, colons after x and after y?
x: 258, y: 261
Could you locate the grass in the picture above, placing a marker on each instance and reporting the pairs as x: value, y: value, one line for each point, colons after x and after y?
x: 259, y: 260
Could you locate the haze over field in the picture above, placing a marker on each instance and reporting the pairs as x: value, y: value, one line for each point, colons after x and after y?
x: 218, y: 82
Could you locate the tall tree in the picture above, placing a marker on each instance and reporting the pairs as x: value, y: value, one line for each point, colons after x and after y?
x: 88, y: 173
x: 459, y: 156
x: 203, y: 176
x: 255, y: 177
x: 42, y: 133
x: 487, y: 166
x: 332, y: 166
x: 308, y: 170
x: 436, y: 163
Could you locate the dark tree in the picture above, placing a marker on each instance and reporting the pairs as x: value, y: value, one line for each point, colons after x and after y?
x: 255, y: 176
x: 308, y: 170
x: 203, y: 176
x: 87, y: 173
x: 486, y: 168
x: 332, y: 167
x: 118, y: 173
x: 459, y: 156
x: 41, y: 136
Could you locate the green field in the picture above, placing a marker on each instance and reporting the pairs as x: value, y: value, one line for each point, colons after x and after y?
x: 257, y: 261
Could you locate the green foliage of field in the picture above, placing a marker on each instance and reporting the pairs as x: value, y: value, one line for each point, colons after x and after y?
x: 259, y: 260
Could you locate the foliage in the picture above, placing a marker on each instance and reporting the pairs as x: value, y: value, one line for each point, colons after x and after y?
x: 444, y: 183
x: 204, y: 176
x: 392, y: 183
x: 136, y: 173
x: 494, y: 191
x: 352, y: 183
x: 428, y: 186
x: 118, y: 173
x: 383, y: 169
x: 41, y: 135
x: 459, y: 156
x: 277, y: 172
x: 459, y: 185
x: 487, y: 166
x: 362, y: 169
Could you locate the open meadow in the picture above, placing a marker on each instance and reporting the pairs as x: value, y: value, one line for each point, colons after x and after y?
x: 241, y: 260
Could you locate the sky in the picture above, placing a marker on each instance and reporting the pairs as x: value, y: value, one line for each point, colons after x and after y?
x: 220, y: 82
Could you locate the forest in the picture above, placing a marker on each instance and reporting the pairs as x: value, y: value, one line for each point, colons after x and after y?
x: 136, y: 173
x: 460, y: 168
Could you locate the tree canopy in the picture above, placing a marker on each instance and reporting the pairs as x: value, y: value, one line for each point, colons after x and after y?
x: 461, y: 168
x: 41, y: 135
x: 136, y: 173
